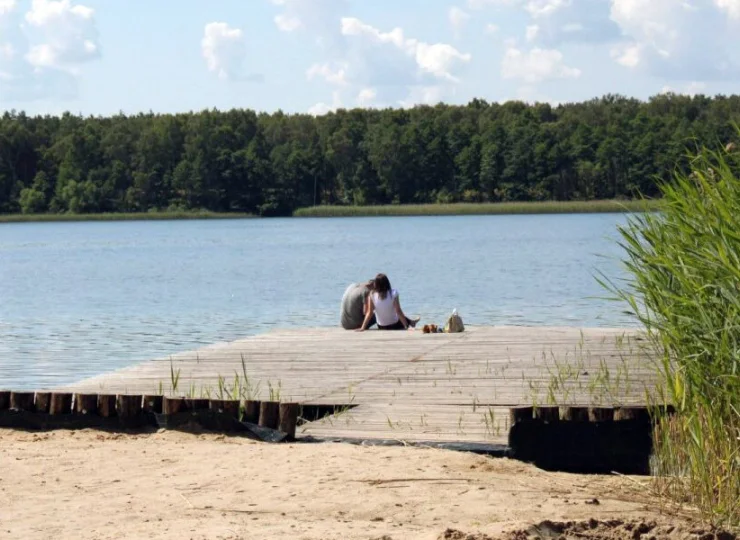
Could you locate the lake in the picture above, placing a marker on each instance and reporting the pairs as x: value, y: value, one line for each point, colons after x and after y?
x: 78, y: 299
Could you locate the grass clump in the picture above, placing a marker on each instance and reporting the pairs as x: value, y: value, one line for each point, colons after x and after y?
x: 462, y: 209
x: 683, y: 285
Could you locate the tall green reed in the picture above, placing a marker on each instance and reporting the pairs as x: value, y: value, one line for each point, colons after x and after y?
x: 683, y: 285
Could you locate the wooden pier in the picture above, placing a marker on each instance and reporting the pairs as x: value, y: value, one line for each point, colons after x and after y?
x: 405, y: 386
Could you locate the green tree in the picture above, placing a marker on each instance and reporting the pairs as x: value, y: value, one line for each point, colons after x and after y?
x: 239, y: 160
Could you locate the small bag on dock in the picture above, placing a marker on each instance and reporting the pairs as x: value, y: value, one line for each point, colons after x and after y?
x: 454, y: 324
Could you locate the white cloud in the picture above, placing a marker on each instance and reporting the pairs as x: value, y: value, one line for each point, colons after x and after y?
x: 732, y: 7
x: 6, y: 6
x: 458, y: 19
x: 545, y: 8
x: 319, y: 18
x: 692, y: 89
x: 43, y: 49
x: 224, y: 50
x: 321, y: 109
x: 287, y: 23
x: 492, y: 28
x: 337, y: 76
x: 673, y: 39
x: 583, y: 21
x: 355, y: 27
x: 536, y: 66
x: 679, y: 40
x: 695, y: 87
x: 424, y: 95
x: 564, y: 20
x: 439, y: 59
x: 366, y: 97
x: 536, y: 8
x: 48, y: 12
x: 68, y: 31
x: 627, y: 55
x: 387, y: 68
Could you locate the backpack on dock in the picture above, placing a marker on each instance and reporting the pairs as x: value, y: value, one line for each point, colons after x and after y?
x: 454, y: 324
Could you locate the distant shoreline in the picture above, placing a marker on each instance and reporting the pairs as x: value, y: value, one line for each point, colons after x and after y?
x: 120, y: 216
x: 455, y: 209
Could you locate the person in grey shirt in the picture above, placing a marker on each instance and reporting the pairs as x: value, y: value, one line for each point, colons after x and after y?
x: 353, y: 305
x: 352, y: 313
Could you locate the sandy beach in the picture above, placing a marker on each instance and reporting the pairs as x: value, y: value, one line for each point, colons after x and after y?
x: 90, y: 484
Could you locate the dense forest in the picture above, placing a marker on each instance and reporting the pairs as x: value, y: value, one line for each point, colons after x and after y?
x: 271, y: 164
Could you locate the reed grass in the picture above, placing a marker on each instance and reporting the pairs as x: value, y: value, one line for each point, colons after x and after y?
x: 461, y: 209
x: 683, y: 285
x: 118, y: 216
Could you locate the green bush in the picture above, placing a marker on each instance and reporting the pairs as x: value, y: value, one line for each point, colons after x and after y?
x: 32, y: 201
x: 683, y: 285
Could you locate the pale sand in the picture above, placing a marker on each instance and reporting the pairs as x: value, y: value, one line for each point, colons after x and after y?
x: 175, y: 485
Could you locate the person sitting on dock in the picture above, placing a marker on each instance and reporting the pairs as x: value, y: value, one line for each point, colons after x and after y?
x: 384, y: 307
x: 353, y: 306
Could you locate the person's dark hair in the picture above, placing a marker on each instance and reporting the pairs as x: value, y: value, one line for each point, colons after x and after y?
x: 382, y: 285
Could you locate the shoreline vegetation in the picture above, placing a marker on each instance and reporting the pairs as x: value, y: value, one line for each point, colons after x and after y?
x: 409, y: 210
x: 463, y: 209
x: 682, y: 285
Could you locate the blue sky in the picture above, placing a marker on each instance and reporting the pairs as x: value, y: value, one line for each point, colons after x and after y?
x: 105, y: 56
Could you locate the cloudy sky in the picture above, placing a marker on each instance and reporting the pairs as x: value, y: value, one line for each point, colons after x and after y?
x: 106, y: 56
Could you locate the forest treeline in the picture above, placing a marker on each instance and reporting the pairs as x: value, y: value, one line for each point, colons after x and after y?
x: 271, y: 164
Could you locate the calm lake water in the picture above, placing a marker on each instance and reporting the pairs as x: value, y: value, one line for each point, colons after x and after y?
x: 77, y: 299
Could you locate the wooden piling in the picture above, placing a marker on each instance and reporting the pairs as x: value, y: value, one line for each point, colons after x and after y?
x: 288, y: 418
x: 107, y: 405
x: 42, y: 402
x: 4, y: 399
x: 518, y: 415
x: 227, y: 407
x: 152, y: 404
x: 128, y: 406
x: 547, y: 414
x: 196, y: 404
x: 173, y: 405
x: 251, y: 412
x: 86, y: 404
x: 269, y: 414
x: 574, y: 414
x: 22, y: 401
x: 638, y: 414
x: 61, y: 403
x: 601, y: 414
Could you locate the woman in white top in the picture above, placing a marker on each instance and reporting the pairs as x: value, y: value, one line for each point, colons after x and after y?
x: 384, y: 304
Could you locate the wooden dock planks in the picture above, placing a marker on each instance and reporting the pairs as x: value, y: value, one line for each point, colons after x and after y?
x: 407, y: 385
